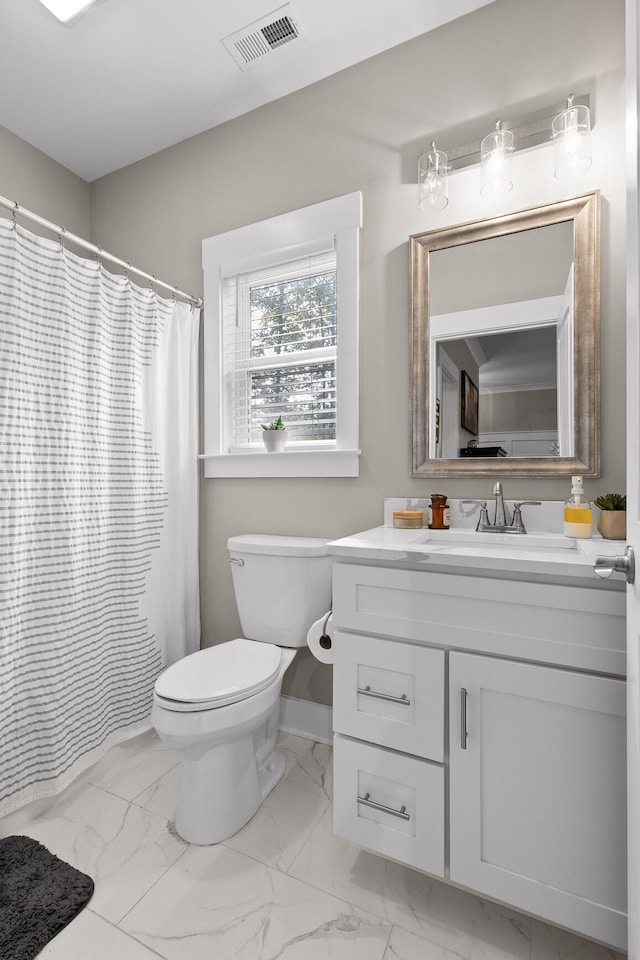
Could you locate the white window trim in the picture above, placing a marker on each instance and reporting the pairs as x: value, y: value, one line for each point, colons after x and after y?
x: 264, y: 244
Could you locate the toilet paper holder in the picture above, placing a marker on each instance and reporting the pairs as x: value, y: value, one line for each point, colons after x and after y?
x: 325, y: 640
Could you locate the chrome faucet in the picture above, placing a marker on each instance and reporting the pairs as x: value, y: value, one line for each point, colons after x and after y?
x: 501, y: 515
x: 501, y: 522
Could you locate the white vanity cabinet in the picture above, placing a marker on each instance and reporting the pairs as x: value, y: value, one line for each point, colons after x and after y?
x: 480, y: 736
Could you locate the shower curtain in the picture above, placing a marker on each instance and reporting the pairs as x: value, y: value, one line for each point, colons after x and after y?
x: 98, y: 508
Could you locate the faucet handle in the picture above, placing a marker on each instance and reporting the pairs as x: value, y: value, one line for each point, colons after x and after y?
x: 483, y: 520
x: 517, y: 521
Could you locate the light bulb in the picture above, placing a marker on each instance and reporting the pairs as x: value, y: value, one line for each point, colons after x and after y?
x: 571, y: 133
x: 495, y: 162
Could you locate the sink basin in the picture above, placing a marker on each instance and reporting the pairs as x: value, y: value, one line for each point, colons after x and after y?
x: 524, y: 541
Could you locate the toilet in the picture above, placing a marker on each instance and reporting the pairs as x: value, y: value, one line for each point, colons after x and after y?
x: 219, y: 708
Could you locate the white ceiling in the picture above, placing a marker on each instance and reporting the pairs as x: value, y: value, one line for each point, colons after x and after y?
x: 131, y: 77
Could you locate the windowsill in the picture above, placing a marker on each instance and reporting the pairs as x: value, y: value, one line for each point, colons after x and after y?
x: 300, y: 463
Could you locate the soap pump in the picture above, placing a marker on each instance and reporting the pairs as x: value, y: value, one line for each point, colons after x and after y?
x: 578, y: 516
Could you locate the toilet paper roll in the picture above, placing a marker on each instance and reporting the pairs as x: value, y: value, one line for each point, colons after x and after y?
x: 320, y: 638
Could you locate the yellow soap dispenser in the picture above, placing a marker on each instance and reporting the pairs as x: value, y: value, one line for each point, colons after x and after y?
x: 578, y: 516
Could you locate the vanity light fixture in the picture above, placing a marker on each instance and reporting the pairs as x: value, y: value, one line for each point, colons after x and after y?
x: 67, y: 10
x: 566, y: 124
x: 571, y: 133
x: 433, y: 183
x: 495, y: 162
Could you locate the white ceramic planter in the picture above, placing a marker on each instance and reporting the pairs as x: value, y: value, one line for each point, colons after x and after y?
x: 275, y: 440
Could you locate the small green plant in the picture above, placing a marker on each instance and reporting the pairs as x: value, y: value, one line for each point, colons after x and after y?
x: 274, y: 425
x: 611, y: 501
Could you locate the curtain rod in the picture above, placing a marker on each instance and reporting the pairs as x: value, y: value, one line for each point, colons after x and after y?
x: 94, y: 248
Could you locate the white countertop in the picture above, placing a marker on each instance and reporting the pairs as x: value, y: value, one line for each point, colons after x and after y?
x: 537, y: 554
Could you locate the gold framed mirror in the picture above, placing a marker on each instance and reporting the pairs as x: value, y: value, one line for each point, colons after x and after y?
x: 505, y: 344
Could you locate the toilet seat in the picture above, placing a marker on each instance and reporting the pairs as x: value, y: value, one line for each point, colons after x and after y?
x: 219, y: 675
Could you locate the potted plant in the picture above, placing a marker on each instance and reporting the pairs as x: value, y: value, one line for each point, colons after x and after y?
x: 612, y: 522
x: 274, y: 436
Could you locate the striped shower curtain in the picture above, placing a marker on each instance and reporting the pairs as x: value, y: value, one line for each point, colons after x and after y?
x: 98, y: 508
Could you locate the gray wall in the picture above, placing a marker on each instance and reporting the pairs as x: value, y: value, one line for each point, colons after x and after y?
x: 520, y: 266
x: 42, y: 185
x: 519, y: 410
x: 364, y: 129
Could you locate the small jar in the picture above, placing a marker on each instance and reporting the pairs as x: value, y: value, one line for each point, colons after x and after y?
x: 438, y: 512
x: 408, y: 519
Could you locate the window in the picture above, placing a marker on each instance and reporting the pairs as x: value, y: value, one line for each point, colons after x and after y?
x: 279, y: 352
x: 281, y: 338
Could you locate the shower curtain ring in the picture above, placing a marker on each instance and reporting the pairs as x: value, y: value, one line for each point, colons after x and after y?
x: 13, y: 213
x: 61, y: 236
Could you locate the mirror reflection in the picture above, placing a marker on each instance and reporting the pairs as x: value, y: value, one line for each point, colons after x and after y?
x: 505, y: 344
x: 507, y: 330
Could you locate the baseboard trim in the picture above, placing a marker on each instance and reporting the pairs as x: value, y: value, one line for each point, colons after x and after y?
x: 306, y: 719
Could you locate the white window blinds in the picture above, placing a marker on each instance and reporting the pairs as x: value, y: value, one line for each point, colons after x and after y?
x: 279, y: 345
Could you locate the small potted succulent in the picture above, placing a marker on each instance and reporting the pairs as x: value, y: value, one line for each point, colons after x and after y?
x: 612, y: 522
x: 274, y: 436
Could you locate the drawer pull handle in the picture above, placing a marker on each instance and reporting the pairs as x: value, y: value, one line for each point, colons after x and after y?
x: 368, y: 692
x: 463, y: 718
x: 401, y: 813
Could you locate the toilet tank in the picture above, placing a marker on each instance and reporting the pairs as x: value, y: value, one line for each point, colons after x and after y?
x: 282, y: 584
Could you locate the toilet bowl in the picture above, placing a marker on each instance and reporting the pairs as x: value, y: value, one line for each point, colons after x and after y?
x: 219, y: 708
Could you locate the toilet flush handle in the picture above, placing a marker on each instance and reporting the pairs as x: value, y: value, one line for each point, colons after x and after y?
x: 238, y: 560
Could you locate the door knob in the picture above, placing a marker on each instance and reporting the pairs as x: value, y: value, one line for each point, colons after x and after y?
x: 604, y: 567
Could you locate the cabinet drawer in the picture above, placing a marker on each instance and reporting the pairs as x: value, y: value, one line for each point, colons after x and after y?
x: 390, y: 693
x: 389, y: 803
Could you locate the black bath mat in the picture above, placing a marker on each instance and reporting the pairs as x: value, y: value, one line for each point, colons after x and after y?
x: 39, y: 895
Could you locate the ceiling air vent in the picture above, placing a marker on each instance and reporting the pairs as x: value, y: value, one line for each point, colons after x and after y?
x: 263, y: 37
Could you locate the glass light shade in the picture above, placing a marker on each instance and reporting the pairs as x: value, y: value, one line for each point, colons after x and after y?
x: 495, y: 163
x: 433, y: 181
x: 571, y: 134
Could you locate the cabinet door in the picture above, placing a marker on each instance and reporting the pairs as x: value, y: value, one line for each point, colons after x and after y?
x: 537, y: 790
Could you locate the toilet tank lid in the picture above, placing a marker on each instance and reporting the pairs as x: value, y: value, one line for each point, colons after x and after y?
x: 278, y: 546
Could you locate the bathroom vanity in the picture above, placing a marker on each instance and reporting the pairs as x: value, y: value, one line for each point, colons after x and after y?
x: 479, y: 717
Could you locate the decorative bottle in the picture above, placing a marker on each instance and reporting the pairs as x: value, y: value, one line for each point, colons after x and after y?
x: 578, y: 516
x: 438, y: 512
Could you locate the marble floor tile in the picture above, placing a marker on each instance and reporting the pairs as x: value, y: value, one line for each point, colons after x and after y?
x: 107, y: 942
x: 283, y: 887
x: 407, y: 946
x: 161, y: 796
x: 215, y: 902
x: 448, y: 918
x: 280, y: 826
x: 315, y: 758
x: 550, y: 943
x: 131, y: 767
x: 122, y: 847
